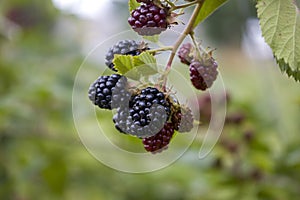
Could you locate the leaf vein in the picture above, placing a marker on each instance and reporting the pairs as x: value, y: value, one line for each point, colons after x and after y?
x: 277, y: 19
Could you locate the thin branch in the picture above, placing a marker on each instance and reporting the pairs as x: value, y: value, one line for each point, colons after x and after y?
x: 188, y: 30
x: 168, y: 48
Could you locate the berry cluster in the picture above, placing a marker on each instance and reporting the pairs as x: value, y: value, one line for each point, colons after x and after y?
x: 148, y: 111
x: 148, y: 114
x: 145, y: 113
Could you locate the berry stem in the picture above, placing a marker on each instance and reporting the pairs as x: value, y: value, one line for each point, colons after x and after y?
x: 198, y: 52
x: 188, y: 30
x: 199, y: 49
x: 168, y: 48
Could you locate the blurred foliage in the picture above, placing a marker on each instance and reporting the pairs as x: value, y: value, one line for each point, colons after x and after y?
x: 231, y: 18
x: 41, y: 156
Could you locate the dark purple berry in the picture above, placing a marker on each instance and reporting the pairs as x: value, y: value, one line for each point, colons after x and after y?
x: 203, y: 74
x: 149, y: 19
x: 160, y: 140
x: 109, y: 91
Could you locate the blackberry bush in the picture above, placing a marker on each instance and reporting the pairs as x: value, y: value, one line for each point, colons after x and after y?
x: 124, y: 47
x: 160, y: 140
x: 149, y: 19
x: 109, y: 91
x: 152, y: 113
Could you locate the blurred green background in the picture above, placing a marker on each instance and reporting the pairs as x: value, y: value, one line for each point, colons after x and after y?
x: 42, y: 157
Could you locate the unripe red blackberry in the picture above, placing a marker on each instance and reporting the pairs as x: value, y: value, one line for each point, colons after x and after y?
x: 185, y: 52
x: 160, y: 140
x: 109, y: 91
x: 183, y: 119
x: 145, y: 115
x: 203, y: 73
x: 149, y: 19
x: 124, y: 47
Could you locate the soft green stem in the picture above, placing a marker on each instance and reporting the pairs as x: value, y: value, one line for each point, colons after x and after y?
x: 168, y: 48
x: 198, y: 52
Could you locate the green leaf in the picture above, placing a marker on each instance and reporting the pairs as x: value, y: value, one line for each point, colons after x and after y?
x: 280, y: 25
x: 133, y: 4
x: 123, y: 63
x: 287, y: 69
x: 146, y: 64
x: 135, y: 66
x: 207, y: 9
x: 146, y: 58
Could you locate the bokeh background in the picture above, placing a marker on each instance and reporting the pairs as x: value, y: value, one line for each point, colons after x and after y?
x: 42, y: 46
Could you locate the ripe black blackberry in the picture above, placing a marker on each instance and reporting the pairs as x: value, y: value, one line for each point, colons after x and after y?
x: 183, y: 119
x: 145, y: 115
x: 185, y: 52
x: 160, y: 140
x: 109, y: 91
x: 149, y: 19
x: 203, y: 73
x: 124, y: 47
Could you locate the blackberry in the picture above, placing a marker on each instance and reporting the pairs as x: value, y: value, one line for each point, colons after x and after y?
x: 203, y: 74
x: 184, y: 53
x: 160, y: 140
x: 109, y: 91
x: 183, y: 119
x: 145, y: 115
x: 149, y: 19
x: 124, y: 47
